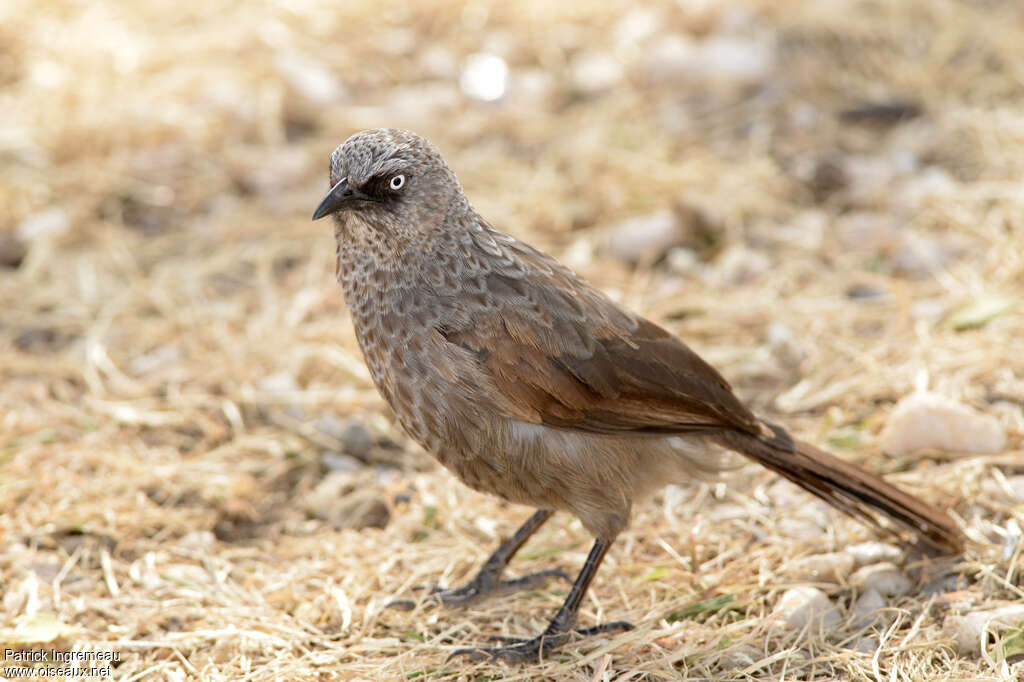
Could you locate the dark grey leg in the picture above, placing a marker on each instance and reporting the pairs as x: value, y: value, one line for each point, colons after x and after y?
x: 560, y: 628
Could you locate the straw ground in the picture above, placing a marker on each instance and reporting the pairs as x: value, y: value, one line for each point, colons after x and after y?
x: 180, y: 477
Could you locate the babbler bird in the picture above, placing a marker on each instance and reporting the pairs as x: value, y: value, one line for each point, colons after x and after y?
x: 530, y: 384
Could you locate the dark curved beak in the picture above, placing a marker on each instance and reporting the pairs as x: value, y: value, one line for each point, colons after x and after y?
x: 340, y: 196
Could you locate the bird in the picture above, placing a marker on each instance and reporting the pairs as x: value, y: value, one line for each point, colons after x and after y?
x: 531, y: 384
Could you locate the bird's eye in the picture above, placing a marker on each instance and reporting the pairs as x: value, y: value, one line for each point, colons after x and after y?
x: 397, y: 182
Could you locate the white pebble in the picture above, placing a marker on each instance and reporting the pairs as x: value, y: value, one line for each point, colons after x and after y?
x: 915, y: 193
x: 968, y: 630
x: 646, y: 238
x: 865, y: 553
x: 47, y: 223
x: 784, y: 346
x: 869, y: 180
x: 531, y: 89
x: 484, y: 77
x: 738, y: 58
x: 830, y: 567
x: 717, y: 59
x: 868, y: 231
x: 922, y: 255
x: 198, y: 540
x: 636, y: 26
x: 592, y: 73
x: 682, y: 261
x: 307, y: 77
x: 884, y: 578
x: 803, y: 606
x: 740, y: 265
x: 866, y: 608
x: 279, y: 382
x: 929, y: 421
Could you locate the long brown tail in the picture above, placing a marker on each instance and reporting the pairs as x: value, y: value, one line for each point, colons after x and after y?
x: 845, y: 486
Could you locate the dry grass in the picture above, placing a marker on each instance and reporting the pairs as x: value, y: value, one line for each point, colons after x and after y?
x: 165, y: 359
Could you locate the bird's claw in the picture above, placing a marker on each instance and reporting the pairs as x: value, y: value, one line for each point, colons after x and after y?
x: 524, y: 651
x: 519, y: 650
x: 480, y: 587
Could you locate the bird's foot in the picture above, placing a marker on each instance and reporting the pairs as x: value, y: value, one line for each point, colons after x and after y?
x: 518, y: 650
x: 485, y: 584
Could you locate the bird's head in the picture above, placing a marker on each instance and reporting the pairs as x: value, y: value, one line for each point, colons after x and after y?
x: 391, y: 180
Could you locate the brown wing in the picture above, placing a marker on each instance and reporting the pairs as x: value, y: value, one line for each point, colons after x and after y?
x: 563, y: 354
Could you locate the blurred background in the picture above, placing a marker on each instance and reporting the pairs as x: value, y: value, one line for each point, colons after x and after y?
x: 823, y: 198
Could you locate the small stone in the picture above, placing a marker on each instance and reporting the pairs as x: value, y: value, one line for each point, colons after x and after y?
x: 967, y: 631
x: 729, y: 512
x: 785, y: 348
x: 802, y: 529
x: 198, y: 540
x: 741, y: 59
x: 308, y: 78
x: 917, y: 191
x: 484, y: 77
x: 190, y: 574
x: 740, y: 656
x: 39, y: 340
x: 279, y: 382
x: 50, y: 222
x: 636, y: 26
x: 868, y: 180
x: 12, y: 251
x: 805, y: 231
x: 344, y: 501
x: 867, y: 553
x: 740, y: 265
x: 930, y: 421
x: 929, y: 310
x: 866, y: 645
x: 357, y: 439
x: 365, y: 510
x: 866, y: 608
x: 337, y: 461
x: 645, y: 239
x: 921, y: 255
x: 868, y: 231
x: 884, y: 578
x: 667, y: 58
x: 682, y: 261
x: 943, y: 584
x: 865, y: 292
x: 718, y: 59
x: 830, y: 567
x: 592, y: 73
x: 803, y: 606
x: 532, y: 88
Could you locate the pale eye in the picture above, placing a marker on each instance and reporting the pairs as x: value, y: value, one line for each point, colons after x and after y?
x: 398, y: 182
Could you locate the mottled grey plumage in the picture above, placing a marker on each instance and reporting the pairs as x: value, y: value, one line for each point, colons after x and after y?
x: 531, y: 384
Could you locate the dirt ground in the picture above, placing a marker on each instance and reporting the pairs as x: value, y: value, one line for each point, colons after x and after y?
x: 196, y: 474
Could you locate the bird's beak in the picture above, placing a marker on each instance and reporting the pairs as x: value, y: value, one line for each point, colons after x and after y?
x: 340, y: 196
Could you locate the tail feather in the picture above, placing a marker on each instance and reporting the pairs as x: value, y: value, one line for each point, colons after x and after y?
x: 845, y: 486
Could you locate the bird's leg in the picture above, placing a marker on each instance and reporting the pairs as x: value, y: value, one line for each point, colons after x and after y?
x: 488, y: 580
x: 560, y: 629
